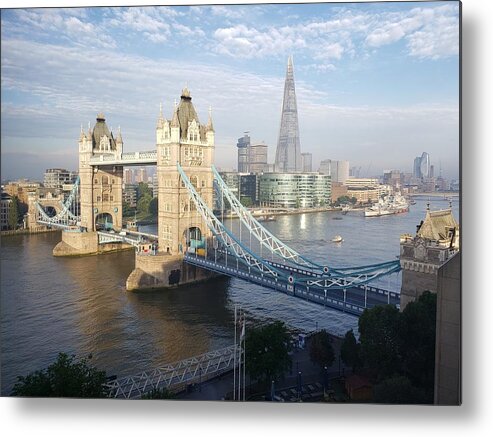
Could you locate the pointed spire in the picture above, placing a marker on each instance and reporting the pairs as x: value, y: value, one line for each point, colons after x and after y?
x: 174, y: 121
x: 82, y: 134
x: 119, y: 138
x: 160, y: 109
x: 210, y: 126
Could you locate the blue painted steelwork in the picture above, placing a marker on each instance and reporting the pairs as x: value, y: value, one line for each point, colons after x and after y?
x: 65, y: 219
x: 247, y: 265
x: 296, y: 262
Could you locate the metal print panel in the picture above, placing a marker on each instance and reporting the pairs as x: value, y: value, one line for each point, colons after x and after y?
x: 247, y: 203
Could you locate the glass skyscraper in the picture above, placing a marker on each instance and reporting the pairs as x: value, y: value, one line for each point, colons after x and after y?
x: 288, y: 153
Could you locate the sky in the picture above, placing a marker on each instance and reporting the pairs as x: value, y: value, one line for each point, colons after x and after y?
x: 377, y: 84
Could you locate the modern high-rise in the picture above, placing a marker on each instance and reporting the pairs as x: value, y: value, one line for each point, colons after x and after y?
x: 243, y: 145
x: 128, y: 176
x: 338, y: 170
x: 56, y: 178
x: 257, y: 158
x: 306, y: 162
x: 288, y: 153
x: 421, y: 168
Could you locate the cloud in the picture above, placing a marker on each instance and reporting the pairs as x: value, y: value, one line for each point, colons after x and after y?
x: 346, y: 32
x: 430, y: 32
x: 71, y: 24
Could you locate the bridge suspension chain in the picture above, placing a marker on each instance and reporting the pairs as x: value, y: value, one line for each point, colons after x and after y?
x: 260, y: 233
x: 225, y: 236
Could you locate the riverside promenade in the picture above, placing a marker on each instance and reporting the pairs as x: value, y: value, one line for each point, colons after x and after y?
x: 312, y: 381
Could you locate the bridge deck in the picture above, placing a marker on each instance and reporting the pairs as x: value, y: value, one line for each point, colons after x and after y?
x: 352, y: 300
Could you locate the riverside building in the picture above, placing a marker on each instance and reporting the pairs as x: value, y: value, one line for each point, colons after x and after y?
x: 294, y: 190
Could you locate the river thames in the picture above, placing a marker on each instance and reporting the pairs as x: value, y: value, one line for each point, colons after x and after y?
x: 80, y: 306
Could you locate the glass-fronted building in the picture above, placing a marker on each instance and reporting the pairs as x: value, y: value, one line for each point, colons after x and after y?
x: 294, y: 190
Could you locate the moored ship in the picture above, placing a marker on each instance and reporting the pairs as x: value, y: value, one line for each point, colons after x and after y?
x: 391, y: 204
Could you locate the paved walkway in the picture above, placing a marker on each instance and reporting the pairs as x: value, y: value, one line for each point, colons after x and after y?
x: 312, y: 378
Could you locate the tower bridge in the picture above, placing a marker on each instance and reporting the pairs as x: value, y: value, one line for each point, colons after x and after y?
x: 194, y: 242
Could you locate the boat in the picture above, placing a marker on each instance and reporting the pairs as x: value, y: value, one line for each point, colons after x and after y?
x: 336, y: 218
x: 266, y: 218
x: 391, y: 204
x: 345, y: 209
x: 337, y: 239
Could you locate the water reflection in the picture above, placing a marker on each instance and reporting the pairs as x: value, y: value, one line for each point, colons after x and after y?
x: 79, y: 305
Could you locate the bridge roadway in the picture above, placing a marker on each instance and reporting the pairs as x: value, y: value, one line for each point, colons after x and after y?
x: 353, y: 299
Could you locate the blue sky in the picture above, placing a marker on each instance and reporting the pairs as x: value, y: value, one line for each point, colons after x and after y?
x: 377, y: 83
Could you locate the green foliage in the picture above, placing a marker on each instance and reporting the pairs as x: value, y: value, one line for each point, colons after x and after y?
x: 127, y: 210
x: 342, y: 200
x: 321, y: 350
x: 267, y: 350
x: 66, y: 377
x: 417, y: 332
x: 379, y: 337
x: 143, y: 204
x: 153, y: 206
x: 350, y: 351
x: 157, y: 393
x: 143, y: 190
x: 246, y: 201
x: 399, y: 390
x: 400, y: 347
x: 14, y: 213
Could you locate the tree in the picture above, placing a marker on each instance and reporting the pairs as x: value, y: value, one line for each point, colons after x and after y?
x: 66, y: 377
x: 350, y: 351
x: 14, y: 212
x: 399, y: 390
x: 353, y: 200
x: 379, y: 337
x: 143, y: 189
x: 127, y: 210
x: 143, y: 204
x: 246, y: 201
x: 321, y: 350
x: 153, y: 206
x: 417, y: 331
x: 267, y: 350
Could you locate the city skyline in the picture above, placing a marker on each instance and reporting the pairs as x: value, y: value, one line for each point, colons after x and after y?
x: 377, y: 84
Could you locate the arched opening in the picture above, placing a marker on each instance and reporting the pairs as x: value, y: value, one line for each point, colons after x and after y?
x: 50, y: 211
x: 193, y: 239
x: 104, y: 222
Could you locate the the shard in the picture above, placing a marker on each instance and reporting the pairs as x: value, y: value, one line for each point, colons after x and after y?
x: 288, y: 153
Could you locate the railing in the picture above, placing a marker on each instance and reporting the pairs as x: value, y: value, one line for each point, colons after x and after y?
x: 175, y: 376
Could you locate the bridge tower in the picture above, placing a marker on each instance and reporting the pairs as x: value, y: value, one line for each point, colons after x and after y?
x: 100, y: 186
x: 422, y: 255
x: 186, y: 141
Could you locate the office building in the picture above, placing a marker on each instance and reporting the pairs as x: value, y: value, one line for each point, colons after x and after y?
x: 421, y: 167
x: 5, y: 203
x: 257, y: 158
x: 243, y: 145
x: 56, y: 177
x: 306, y: 162
x: 248, y: 189
x: 294, y: 190
x: 128, y: 176
x: 288, y: 153
x: 338, y: 170
x: 130, y: 195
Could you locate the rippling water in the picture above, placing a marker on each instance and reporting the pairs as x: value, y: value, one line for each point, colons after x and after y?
x: 80, y: 306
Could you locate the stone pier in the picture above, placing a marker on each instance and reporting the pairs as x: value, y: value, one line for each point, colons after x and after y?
x: 164, y: 271
x: 84, y: 243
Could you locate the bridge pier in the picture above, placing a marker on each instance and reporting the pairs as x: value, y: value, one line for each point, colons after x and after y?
x: 84, y: 243
x: 164, y: 271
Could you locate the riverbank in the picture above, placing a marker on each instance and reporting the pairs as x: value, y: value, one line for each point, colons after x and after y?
x: 312, y: 377
x: 36, y: 230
